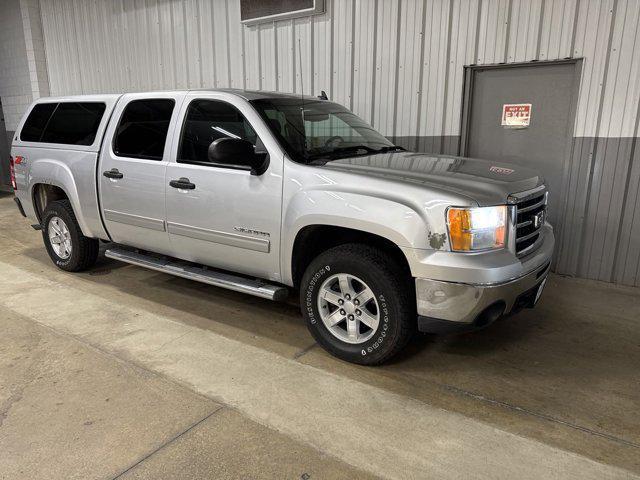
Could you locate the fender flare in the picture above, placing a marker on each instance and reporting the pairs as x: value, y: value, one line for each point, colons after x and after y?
x: 41, y: 174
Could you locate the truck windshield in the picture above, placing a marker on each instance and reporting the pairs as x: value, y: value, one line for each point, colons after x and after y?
x: 317, y: 131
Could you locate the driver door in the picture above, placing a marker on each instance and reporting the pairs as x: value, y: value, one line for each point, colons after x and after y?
x: 226, y: 217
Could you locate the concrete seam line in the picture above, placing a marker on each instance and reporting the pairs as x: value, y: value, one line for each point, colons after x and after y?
x: 168, y: 442
x: 543, y: 416
x: 304, y: 351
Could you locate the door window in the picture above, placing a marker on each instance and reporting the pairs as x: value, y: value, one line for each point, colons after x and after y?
x: 143, y: 127
x: 207, y: 121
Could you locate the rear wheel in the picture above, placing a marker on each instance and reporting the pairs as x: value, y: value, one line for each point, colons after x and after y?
x: 358, y: 304
x: 69, y: 249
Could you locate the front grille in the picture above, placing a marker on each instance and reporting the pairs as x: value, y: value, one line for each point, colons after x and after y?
x: 530, y: 215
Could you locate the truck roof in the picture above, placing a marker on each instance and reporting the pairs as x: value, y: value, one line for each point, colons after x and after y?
x: 246, y: 94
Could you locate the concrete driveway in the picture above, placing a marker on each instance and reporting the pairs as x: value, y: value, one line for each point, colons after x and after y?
x: 125, y: 372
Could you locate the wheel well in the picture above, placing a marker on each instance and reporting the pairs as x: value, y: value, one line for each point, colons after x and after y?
x: 311, y: 241
x: 43, y: 195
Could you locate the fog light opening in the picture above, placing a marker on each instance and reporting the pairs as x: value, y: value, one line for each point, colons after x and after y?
x: 490, y: 314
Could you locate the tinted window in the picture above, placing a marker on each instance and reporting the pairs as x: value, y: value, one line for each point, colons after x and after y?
x: 74, y: 123
x: 209, y: 120
x: 143, y: 127
x: 36, y: 121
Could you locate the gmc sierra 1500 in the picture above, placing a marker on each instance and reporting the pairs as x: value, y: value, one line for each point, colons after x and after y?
x: 275, y: 191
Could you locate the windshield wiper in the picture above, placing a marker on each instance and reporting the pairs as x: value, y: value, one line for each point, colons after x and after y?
x: 392, y: 148
x: 342, y: 152
x: 351, y: 151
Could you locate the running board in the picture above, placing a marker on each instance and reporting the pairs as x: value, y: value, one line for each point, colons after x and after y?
x: 192, y: 271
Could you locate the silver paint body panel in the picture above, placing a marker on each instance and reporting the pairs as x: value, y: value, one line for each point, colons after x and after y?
x: 248, y: 224
x: 223, y: 199
x: 138, y: 199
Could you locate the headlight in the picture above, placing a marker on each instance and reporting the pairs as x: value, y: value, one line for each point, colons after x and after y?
x: 474, y: 229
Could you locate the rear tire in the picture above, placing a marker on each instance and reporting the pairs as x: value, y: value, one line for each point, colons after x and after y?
x: 68, y: 248
x: 329, y: 293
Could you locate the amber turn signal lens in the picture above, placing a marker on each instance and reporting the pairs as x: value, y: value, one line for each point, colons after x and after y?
x: 459, y: 229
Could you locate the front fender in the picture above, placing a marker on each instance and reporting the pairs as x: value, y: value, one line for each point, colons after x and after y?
x: 403, y: 224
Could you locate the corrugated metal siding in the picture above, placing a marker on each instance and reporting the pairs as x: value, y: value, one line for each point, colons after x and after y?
x: 399, y: 64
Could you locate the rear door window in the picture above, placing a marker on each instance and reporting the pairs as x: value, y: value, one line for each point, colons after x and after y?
x: 143, y: 127
x: 74, y: 123
x: 36, y: 121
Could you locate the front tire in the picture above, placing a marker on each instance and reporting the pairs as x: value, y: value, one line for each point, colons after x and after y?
x: 68, y: 248
x: 358, y: 304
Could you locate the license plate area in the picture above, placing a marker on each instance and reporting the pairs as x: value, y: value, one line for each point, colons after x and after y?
x: 529, y: 298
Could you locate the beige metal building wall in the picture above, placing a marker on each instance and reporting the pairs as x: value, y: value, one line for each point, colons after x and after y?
x: 400, y: 65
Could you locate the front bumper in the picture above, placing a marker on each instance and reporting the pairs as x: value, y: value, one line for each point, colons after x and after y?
x: 453, y: 306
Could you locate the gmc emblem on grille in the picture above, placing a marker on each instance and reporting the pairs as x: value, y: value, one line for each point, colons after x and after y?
x: 538, y: 219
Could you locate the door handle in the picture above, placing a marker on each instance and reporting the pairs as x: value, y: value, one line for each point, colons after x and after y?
x: 182, y: 183
x: 113, y: 173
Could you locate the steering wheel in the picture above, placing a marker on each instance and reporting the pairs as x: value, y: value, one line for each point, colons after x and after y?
x: 334, y: 141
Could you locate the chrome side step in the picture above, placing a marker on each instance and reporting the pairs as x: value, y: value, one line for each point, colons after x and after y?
x: 180, y: 268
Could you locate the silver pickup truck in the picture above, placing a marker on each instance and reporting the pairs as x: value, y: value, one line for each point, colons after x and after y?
x: 259, y: 192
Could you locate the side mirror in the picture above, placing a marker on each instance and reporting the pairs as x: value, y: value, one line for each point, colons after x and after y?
x: 234, y: 152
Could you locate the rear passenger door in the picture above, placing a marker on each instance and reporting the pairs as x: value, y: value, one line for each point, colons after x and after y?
x: 132, y: 169
x: 227, y: 218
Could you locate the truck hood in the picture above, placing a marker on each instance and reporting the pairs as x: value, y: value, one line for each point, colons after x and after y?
x: 485, y: 182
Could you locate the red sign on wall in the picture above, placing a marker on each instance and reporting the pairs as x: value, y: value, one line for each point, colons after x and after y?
x: 516, y: 115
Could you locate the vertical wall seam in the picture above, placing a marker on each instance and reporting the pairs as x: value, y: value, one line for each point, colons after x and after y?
x: 446, y: 75
x: 200, y: 73
x: 507, y: 33
x: 296, y: 63
x: 421, y: 74
x: 213, y: 49
x: 351, y: 53
x: 575, y: 28
x: 540, y: 23
x: 312, y: 59
x: 243, y: 30
x: 373, y: 63
x: 77, y: 51
x: 396, y: 69
x: 331, y: 45
x: 476, y: 46
x: 275, y: 57
x: 173, y: 48
x: 259, y: 39
x: 228, y: 40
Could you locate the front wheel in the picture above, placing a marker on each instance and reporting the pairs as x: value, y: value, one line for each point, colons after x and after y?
x: 358, y: 304
x: 69, y: 249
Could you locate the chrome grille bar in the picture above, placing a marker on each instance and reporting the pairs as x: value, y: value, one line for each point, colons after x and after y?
x: 530, y: 210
